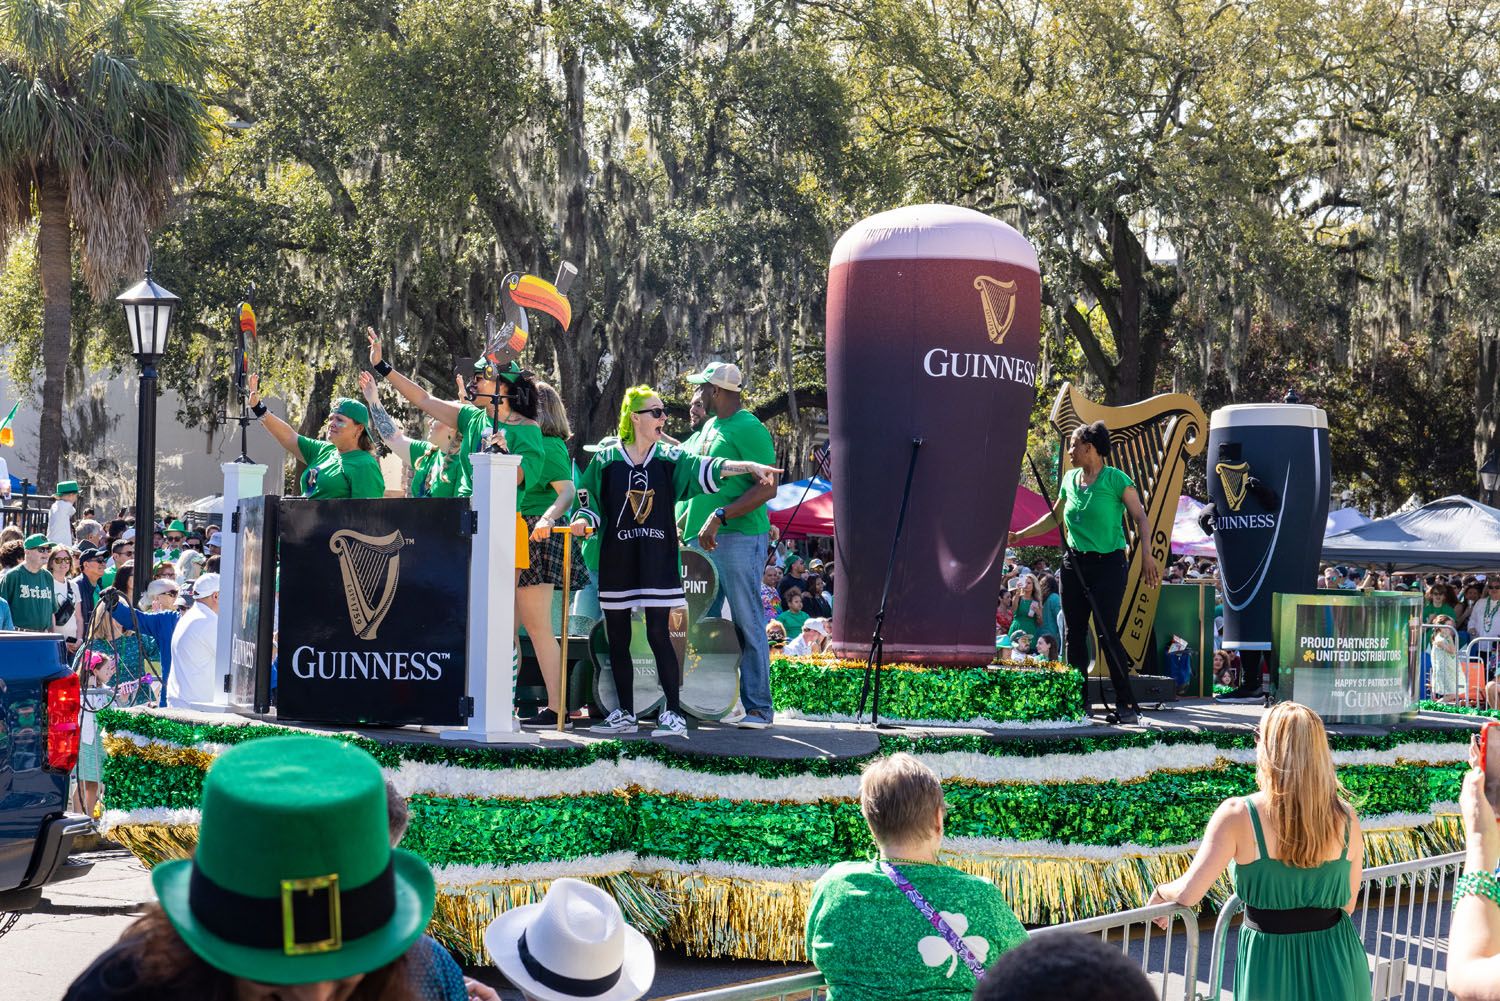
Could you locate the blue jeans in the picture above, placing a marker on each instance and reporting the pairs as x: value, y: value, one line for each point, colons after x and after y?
x: 741, y: 562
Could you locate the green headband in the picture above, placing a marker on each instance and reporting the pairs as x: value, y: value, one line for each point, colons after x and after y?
x: 352, y: 409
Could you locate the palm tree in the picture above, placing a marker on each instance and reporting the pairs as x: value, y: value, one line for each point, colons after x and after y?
x: 99, y: 119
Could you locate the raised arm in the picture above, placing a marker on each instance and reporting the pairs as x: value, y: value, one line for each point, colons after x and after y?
x: 445, y: 412
x: 284, y: 433
x: 383, y: 422
x: 764, y: 475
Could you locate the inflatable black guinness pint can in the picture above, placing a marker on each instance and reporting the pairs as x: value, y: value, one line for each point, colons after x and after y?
x: 1268, y: 479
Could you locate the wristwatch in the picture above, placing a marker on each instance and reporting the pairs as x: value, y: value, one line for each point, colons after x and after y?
x: 719, y: 513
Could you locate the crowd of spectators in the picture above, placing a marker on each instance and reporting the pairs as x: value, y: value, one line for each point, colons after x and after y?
x: 77, y: 580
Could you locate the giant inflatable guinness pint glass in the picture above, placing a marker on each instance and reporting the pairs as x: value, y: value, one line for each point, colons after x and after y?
x: 1268, y: 477
x: 933, y: 316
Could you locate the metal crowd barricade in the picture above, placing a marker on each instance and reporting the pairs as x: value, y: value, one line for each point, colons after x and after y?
x: 1153, y: 948
x: 798, y: 987
x: 1429, y: 676
x: 1476, y: 664
x: 1402, y: 917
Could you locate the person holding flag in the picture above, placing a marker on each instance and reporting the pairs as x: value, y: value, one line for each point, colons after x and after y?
x: 7, y: 438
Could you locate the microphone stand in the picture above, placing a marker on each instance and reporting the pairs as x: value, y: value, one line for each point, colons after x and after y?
x: 1115, y: 657
x: 876, y: 659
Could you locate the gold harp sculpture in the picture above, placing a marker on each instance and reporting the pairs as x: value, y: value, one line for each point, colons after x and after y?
x: 371, y: 567
x: 1151, y: 441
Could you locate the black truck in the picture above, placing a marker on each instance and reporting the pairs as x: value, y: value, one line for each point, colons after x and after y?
x: 39, y: 742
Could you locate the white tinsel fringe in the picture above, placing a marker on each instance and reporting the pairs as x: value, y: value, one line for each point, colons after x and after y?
x: 457, y: 878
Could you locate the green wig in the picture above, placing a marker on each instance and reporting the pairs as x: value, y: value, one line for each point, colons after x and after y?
x: 634, y: 397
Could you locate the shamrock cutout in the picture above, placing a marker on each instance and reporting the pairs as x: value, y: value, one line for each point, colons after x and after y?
x: 935, y: 949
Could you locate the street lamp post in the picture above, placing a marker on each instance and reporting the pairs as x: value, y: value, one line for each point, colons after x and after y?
x: 1489, y: 476
x: 148, y: 313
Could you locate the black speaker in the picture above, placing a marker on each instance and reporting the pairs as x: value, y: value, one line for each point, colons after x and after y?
x: 1147, y: 688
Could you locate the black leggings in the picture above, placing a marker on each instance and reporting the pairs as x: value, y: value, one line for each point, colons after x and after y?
x: 617, y: 628
x: 1105, y: 576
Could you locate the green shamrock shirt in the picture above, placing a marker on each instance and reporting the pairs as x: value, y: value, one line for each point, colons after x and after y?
x: 30, y: 597
x: 331, y: 473
x: 871, y: 944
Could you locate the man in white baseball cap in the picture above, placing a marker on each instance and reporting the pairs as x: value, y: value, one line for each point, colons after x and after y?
x: 733, y: 528
x: 575, y: 944
x: 195, y: 643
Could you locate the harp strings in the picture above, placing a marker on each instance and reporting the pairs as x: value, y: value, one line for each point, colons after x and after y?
x: 369, y: 565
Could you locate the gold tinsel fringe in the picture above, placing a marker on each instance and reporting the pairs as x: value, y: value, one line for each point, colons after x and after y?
x: 719, y: 916
x: 153, y: 843
x: 159, y: 754
x: 463, y: 913
x: 747, y: 918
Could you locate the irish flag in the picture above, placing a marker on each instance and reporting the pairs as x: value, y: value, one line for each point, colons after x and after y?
x: 7, y: 433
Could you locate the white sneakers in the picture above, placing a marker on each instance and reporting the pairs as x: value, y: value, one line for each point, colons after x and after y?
x: 617, y: 722
x: 669, y: 724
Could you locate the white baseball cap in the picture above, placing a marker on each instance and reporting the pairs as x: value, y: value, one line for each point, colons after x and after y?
x: 129, y: 535
x: 724, y: 374
x: 817, y: 625
x: 206, y: 585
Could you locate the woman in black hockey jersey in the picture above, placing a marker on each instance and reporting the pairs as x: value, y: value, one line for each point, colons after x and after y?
x: 628, y: 493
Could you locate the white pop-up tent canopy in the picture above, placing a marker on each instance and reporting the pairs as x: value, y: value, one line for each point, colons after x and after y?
x: 1454, y: 533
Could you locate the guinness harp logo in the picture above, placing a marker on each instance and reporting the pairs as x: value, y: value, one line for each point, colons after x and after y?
x: 999, y: 301
x: 371, y: 566
x: 1232, y: 476
x: 639, y: 496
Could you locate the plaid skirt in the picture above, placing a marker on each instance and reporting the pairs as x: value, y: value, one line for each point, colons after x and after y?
x: 547, y: 562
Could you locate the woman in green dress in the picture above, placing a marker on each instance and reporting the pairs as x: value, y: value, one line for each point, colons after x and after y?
x: 1296, y: 855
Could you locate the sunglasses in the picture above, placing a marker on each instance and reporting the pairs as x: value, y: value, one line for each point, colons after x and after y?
x: 174, y: 538
x: 194, y: 545
x: 654, y: 411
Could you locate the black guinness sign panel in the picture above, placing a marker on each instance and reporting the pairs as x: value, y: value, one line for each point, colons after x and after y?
x: 374, y: 611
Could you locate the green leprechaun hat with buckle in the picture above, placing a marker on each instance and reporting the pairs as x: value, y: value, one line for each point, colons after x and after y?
x: 294, y: 880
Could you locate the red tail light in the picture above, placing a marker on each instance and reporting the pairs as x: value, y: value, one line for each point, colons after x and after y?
x: 62, y: 723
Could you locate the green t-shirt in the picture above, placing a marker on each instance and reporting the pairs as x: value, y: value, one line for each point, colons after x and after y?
x: 793, y: 622
x: 30, y: 597
x: 739, y: 437
x: 1095, y: 517
x: 434, y: 473
x: 332, y: 474
x: 524, y: 440
x: 539, y: 494
x: 1430, y: 612
x: 872, y: 944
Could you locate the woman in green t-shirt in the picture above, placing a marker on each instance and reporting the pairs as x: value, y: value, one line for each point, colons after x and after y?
x: 434, y: 462
x: 1091, y: 508
x: 342, y: 464
x: 545, y: 503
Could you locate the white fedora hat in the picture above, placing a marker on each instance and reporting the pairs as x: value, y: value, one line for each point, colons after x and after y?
x: 574, y: 944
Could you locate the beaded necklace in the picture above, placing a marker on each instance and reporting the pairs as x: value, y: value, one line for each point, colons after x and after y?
x: 1491, y: 609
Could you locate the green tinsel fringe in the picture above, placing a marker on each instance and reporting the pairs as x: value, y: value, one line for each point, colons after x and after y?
x: 1165, y: 808
x: 943, y: 693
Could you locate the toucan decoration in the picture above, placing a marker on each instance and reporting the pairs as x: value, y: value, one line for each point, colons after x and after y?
x: 519, y: 293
